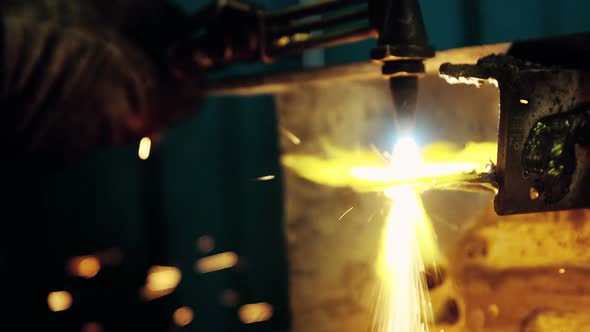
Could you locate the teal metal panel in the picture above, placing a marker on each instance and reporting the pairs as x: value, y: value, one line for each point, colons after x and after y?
x: 210, y: 167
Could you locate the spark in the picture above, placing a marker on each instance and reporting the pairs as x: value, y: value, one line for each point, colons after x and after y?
x: 266, y: 178
x: 59, y: 301
x: 163, y: 277
x: 255, y: 312
x: 84, y: 266
x: 534, y: 193
x: 161, y: 281
x: 290, y: 136
x: 183, y: 316
x: 224, y: 260
x: 145, y: 145
x: 345, y: 213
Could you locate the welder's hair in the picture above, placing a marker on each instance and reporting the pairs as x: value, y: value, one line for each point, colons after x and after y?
x: 87, y: 73
x: 148, y: 23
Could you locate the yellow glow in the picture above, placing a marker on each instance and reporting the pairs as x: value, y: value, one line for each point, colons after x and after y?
x: 441, y: 166
x: 561, y: 271
x: 334, y: 169
x: 534, y: 193
x: 59, y: 301
x: 298, y: 37
x: 84, y: 266
x: 255, y: 312
x: 160, y: 281
x: 494, y: 310
x: 163, y: 277
x: 524, y: 101
x: 145, y: 145
x: 183, y: 316
x: 217, y: 262
x: 284, y: 40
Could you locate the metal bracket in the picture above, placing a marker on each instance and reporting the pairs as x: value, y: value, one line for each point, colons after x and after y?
x: 529, y: 93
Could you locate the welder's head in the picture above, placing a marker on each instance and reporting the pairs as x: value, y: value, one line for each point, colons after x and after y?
x: 106, y: 80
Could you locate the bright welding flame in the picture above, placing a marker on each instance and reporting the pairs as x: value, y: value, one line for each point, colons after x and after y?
x: 407, y: 166
x: 436, y: 166
x: 406, y: 157
x: 408, y: 245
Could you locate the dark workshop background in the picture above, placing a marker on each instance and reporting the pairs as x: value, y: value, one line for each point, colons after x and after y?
x: 199, y: 181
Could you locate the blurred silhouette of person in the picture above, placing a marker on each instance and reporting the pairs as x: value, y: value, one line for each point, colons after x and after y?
x: 75, y: 76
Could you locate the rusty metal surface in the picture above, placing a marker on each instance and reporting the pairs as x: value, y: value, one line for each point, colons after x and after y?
x: 528, y: 94
x: 284, y: 82
x: 523, y: 273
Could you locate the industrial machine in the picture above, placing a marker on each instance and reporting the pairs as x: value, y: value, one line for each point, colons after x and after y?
x: 543, y: 120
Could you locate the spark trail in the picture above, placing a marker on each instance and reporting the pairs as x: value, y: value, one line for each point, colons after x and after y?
x: 408, y: 245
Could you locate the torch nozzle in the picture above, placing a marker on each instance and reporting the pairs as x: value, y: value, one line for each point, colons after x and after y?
x: 404, y: 92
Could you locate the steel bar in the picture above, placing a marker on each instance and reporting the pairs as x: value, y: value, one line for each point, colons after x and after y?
x: 281, y: 82
x: 321, y: 23
x: 325, y: 40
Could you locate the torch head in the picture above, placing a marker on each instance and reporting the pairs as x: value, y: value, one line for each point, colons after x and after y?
x: 402, y: 48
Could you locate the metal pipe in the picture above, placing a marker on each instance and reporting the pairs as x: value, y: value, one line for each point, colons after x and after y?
x: 326, y: 40
x: 301, y: 11
x: 321, y: 23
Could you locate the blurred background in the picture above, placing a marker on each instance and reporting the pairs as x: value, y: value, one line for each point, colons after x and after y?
x: 214, y: 186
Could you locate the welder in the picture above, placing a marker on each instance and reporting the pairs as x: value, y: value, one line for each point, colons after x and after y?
x: 75, y: 76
